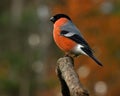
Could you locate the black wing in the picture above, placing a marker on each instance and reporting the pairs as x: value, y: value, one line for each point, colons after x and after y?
x: 78, y: 39
x: 74, y: 37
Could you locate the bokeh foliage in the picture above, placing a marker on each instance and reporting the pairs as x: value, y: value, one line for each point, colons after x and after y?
x: 28, y: 53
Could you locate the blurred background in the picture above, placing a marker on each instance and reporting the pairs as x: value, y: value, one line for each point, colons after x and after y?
x: 28, y: 54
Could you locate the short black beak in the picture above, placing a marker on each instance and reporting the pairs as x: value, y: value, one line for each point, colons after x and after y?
x: 52, y: 19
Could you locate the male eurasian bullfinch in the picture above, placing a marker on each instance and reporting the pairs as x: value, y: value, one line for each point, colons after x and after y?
x: 68, y: 38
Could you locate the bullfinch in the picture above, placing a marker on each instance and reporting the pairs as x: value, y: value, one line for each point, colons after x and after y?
x: 69, y: 39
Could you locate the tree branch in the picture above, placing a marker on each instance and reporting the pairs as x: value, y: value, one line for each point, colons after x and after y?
x: 69, y: 80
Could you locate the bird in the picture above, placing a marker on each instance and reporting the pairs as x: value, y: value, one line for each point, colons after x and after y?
x: 69, y: 39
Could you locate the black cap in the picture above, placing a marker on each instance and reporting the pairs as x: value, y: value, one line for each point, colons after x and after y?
x: 58, y: 16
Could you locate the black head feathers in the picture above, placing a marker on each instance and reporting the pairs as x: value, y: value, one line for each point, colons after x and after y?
x: 58, y: 16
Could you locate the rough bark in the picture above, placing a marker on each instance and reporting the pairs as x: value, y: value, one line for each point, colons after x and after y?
x: 69, y: 80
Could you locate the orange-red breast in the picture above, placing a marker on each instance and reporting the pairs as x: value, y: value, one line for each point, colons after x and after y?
x: 68, y: 38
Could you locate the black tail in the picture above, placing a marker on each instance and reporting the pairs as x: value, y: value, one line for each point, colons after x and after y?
x: 95, y: 59
x: 88, y: 51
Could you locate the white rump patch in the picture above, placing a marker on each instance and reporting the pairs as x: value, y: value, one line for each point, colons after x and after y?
x: 77, y: 49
